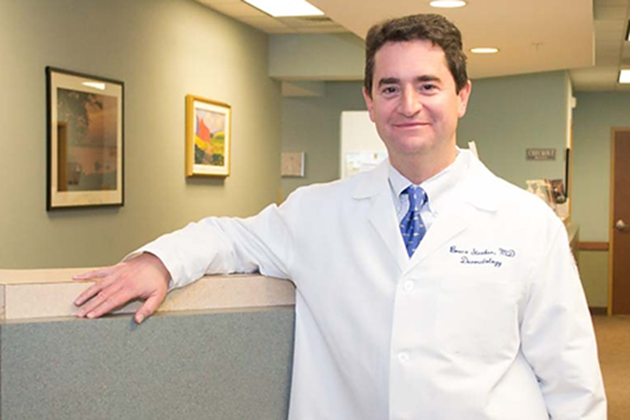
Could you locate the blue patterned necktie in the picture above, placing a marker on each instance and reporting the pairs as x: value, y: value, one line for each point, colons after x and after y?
x: 412, y: 227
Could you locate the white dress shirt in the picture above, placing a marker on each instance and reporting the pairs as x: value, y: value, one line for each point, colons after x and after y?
x: 438, y: 189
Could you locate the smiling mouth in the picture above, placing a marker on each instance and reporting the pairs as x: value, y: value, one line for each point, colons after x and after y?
x: 411, y: 124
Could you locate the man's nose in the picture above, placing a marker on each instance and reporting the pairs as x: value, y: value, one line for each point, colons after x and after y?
x: 410, y: 103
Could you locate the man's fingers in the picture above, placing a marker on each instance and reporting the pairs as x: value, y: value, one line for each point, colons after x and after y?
x: 105, y: 302
x: 92, y: 291
x: 143, y: 277
x: 148, y: 308
x: 97, y: 295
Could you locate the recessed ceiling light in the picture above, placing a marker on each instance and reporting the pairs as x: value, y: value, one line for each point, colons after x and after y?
x: 624, y: 76
x: 447, y: 4
x: 484, y: 50
x: 285, y: 8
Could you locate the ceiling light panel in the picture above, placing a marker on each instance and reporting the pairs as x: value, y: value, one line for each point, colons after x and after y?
x: 484, y: 50
x: 447, y: 4
x: 285, y: 8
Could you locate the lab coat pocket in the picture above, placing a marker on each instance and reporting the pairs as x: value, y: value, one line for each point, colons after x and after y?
x: 477, y: 317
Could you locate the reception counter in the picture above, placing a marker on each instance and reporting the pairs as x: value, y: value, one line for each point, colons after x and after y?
x: 573, y: 233
x: 219, y: 349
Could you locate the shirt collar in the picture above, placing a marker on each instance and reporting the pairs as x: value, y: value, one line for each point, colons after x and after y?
x: 438, y: 186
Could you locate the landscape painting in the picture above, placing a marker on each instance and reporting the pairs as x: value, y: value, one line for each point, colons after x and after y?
x: 207, y: 137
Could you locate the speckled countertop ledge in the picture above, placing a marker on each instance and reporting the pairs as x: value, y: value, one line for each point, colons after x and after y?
x: 28, y: 294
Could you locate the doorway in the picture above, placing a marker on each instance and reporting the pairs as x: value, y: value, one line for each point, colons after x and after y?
x: 619, y: 256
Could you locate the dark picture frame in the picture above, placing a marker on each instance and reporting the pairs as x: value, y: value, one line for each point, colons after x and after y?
x: 85, y: 151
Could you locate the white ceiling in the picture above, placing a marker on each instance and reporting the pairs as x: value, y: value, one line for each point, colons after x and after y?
x: 584, y: 36
x: 612, y: 52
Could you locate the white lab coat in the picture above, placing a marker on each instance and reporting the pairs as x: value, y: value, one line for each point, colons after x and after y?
x: 487, y: 320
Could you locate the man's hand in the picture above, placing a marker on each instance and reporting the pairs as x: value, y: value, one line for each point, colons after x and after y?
x: 144, y: 277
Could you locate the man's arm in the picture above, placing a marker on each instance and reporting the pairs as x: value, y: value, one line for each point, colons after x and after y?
x: 210, y: 246
x: 558, y: 338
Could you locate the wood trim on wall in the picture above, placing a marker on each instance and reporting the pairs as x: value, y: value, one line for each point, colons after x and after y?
x: 610, y: 217
x: 598, y: 310
x: 593, y: 246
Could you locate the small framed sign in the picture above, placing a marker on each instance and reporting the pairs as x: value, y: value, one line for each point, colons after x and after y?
x: 541, y: 154
x: 292, y: 164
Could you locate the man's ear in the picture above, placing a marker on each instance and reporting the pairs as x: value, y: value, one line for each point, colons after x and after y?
x: 368, y: 103
x: 464, y: 95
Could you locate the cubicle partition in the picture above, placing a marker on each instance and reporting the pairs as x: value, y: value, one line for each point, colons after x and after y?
x: 219, y: 349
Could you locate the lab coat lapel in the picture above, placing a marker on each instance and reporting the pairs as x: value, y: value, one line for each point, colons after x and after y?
x: 472, y: 197
x: 445, y: 228
x: 382, y: 214
x: 383, y: 218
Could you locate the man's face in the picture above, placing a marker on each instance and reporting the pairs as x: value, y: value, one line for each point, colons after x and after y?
x: 414, y: 103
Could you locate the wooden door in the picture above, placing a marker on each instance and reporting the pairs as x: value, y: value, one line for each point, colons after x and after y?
x: 619, y: 290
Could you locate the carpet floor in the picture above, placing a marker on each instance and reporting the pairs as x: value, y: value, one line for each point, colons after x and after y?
x: 613, y: 340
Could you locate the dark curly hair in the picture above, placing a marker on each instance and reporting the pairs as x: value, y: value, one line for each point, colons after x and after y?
x: 426, y: 27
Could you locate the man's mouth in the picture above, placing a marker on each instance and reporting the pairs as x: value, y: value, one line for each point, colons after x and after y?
x: 411, y: 124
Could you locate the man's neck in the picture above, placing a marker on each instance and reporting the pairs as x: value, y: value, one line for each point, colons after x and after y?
x: 418, y: 168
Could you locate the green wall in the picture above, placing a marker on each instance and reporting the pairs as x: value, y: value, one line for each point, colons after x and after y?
x: 507, y: 115
x: 161, y: 50
x: 594, y: 116
x: 313, y: 125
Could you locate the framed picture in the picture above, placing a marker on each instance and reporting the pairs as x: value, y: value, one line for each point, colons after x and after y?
x: 208, y: 137
x: 292, y: 164
x: 85, y: 140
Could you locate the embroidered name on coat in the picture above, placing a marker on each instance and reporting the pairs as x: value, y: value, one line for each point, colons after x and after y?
x: 495, y: 257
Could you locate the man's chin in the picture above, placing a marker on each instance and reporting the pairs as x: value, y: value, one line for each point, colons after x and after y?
x: 414, y: 146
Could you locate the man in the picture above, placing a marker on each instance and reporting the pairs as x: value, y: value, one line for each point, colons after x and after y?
x: 426, y: 288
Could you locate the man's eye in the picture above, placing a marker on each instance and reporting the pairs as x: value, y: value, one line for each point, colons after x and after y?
x: 428, y: 87
x: 389, y: 90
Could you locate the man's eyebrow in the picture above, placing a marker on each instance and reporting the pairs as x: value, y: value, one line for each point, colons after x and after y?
x: 427, y: 78
x: 388, y: 81
x: 418, y: 79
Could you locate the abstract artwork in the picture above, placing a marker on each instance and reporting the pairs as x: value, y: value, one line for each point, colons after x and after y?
x: 208, y: 137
